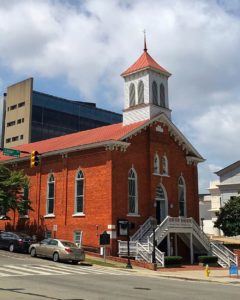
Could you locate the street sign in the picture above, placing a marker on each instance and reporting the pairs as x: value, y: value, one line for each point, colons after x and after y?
x: 55, y: 227
x: 104, y: 238
x: 11, y: 152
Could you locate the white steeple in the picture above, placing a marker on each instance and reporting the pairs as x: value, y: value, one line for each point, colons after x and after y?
x: 146, y: 89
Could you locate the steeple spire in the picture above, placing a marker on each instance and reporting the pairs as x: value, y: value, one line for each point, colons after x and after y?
x: 145, y: 43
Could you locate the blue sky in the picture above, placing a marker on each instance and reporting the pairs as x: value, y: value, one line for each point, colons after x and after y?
x: 78, y: 49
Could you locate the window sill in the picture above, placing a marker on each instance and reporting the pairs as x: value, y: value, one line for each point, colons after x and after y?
x: 133, y: 215
x: 49, y: 216
x: 78, y: 215
x: 161, y: 175
x: 24, y: 217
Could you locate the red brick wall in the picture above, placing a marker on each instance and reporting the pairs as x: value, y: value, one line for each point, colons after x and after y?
x: 106, y: 186
x: 237, y: 252
x: 96, y: 166
x: 140, y: 155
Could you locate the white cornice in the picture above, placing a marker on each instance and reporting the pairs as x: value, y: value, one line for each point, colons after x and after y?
x: 108, y: 145
x: 174, y: 132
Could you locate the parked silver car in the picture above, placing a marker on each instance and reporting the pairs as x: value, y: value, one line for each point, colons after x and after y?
x: 58, y: 250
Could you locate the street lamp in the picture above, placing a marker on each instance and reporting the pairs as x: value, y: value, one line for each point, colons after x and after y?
x: 202, y: 219
x: 153, y: 223
x: 128, y: 266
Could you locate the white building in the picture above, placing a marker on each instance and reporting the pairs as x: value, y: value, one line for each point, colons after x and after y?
x: 220, y: 191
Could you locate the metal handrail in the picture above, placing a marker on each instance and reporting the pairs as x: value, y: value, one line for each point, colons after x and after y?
x: 220, y: 252
x: 142, y: 230
x: 158, y: 254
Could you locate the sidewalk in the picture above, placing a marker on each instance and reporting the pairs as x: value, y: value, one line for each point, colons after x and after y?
x: 220, y: 276
x: 186, y: 272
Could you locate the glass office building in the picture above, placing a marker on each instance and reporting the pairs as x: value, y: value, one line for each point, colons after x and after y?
x: 30, y: 116
x: 53, y: 116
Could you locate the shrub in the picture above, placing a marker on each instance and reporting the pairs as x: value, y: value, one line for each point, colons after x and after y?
x: 173, y: 260
x: 208, y: 259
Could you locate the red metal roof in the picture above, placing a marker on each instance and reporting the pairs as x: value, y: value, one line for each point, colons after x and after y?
x: 101, y: 134
x: 145, y: 61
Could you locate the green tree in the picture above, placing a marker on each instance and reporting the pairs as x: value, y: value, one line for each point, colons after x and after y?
x: 228, y: 218
x: 12, y: 195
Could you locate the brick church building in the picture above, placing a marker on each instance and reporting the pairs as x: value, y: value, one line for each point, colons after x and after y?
x: 89, y: 180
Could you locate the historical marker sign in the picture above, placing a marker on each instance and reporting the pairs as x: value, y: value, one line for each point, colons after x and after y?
x: 104, y: 239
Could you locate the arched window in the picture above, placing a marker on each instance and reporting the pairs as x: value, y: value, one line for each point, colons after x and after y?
x: 132, y: 192
x: 132, y: 94
x: 140, y: 92
x: 50, y: 194
x: 182, y: 197
x: 161, y: 203
x: 79, y: 192
x: 156, y: 164
x: 162, y: 95
x: 164, y: 165
x: 155, y: 93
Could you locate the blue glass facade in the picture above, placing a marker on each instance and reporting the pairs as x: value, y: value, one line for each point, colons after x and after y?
x: 53, y: 116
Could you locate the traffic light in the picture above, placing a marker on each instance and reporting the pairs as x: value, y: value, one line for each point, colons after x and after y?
x: 34, y: 159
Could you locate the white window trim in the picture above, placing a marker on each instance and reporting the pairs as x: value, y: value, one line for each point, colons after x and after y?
x: 133, y: 215
x: 47, y: 206
x: 75, y: 195
x: 156, y: 157
x: 165, y: 196
x: 136, y: 196
x: 166, y: 162
x: 49, y: 216
x: 24, y: 216
x: 81, y: 234
x: 185, y: 198
x: 78, y: 215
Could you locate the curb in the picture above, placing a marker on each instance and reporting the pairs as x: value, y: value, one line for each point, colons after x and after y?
x: 198, y: 279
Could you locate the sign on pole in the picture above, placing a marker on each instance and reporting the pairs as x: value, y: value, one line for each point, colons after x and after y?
x: 11, y: 152
x: 54, y: 227
x: 233, y: 270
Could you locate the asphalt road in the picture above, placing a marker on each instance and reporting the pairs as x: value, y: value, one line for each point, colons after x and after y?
x: 23, y: 277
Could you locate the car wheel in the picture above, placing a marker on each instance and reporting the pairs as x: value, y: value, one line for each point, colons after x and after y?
x: 55, y: 257
x: 11, y: 248
x: 33, y: 252
x: 75, y: 262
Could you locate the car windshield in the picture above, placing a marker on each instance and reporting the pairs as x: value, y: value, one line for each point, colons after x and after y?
x: 69, y: 244
x: 46, y: 241
x: 23, y: 235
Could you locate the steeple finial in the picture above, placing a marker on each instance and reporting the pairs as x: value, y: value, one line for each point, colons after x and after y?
x: 145, y: 43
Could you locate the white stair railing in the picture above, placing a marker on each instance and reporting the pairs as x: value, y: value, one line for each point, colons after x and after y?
x: 158, y: 255
x: 226, y: 256
x: 140, y: 251
x: 123, y: 248
x: 142, y: 230
x: 201, y: 235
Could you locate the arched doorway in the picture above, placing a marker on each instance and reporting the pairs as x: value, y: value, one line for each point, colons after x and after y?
x: 161, y: 204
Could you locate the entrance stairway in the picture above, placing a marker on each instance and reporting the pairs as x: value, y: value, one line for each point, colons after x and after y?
x: 141, y: 243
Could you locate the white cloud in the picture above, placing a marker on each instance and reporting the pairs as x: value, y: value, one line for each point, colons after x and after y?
x: 91, y: 42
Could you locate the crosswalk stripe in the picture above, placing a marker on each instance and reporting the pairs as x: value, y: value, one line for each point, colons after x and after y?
x: 67, y: 270
x: 13, y: 271
x: 21, y: 268
x: 48, y: 270
x: 84, y: 269
x: 27, y: 269
x: 95, y: 270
